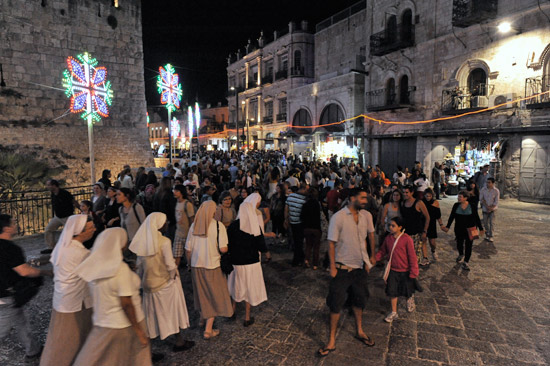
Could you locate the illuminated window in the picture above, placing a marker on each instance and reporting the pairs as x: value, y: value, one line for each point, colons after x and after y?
x: 332, y: 114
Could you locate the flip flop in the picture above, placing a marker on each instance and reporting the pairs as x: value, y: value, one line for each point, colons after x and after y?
x: 327, y: 350
x: 367, y: 341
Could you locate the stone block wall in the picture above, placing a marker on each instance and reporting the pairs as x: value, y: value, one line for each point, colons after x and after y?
x: 37, y: 37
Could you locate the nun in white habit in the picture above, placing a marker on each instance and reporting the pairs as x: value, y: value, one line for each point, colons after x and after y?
x: 119, y: 336
x: 71, y: 318
x: 246, y: 242
x: 163, y: 299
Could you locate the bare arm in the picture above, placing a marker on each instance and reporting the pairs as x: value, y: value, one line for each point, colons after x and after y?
x: 332, y: 258
x: 370, y: 238
x: 130, y: 311
x: 424, y: 210
x: 25, y: 270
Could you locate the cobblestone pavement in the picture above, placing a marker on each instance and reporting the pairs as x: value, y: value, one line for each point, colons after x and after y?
x: 497, y: 314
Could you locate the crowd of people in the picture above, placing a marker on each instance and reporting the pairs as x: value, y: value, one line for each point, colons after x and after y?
x: 116, y: 264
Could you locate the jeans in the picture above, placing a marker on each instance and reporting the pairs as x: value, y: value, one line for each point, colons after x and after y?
x: 313, y: 242
x: 489, y: 223
x: 11, y: 317
x: 298, y: 239
x: 437, y: 190
x: 49, y: 233
x: 460, y: 241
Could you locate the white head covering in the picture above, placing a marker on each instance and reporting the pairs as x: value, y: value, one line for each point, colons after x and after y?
x: 106, y: 257
x: 249, y: 220
x: 74, y: 226
x: 147, y: 238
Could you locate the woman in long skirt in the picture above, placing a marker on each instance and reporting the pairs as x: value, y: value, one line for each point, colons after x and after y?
x: 71, y: 318
x: 206, y: 239
x: 119, y: 336
x: 246, y: 241
x: 163, y: 299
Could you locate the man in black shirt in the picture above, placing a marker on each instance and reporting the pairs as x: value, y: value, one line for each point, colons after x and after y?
x: 12, y: 269
x: 63, y: 205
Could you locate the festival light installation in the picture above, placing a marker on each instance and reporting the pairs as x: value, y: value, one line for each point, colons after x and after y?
x: 90, y: 92
x: 170, y: 91
x: 198, y: 123
x: 176, y: 128
x: 190, y: 123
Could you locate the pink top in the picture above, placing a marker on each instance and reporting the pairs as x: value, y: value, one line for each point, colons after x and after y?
x: 404, y: 258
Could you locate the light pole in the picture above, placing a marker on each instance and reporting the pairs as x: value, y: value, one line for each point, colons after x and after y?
x: 245, y: 115
x: 248, y: 131
x: 237, y: 114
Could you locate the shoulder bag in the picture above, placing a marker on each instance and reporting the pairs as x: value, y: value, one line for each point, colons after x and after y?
x: 225, y: 259
x: 388, y: 265
x: 473, y: 233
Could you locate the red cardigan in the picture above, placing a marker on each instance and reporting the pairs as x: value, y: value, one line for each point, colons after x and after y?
x: 404, y: 258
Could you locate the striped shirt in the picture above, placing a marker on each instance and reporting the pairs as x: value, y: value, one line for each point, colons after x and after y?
x: 295, y: 202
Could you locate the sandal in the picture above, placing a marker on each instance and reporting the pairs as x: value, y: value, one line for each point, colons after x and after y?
x: 210, y: 335
x: 324, y: 352
x: 366, y: 340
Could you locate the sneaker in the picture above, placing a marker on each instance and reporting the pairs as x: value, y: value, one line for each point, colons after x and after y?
x: 391, y: 317
x: 459, y: 258
x: 465, y: 266
x: 435, y: 256
x: 490, y: 239
x: 411, y: 306
x: 424, y: 262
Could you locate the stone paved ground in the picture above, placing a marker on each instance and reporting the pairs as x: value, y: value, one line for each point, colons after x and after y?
x: 498, y: 314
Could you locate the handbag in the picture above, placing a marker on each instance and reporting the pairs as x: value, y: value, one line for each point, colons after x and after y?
x: 473, y: 233
x: 225, y: 258
x: 388, y: 265
x: 25, y: 289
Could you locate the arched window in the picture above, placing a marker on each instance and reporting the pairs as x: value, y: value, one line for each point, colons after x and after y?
x: 297, y: 59
x: 269, y: 136
x: 390, y: 92
x: 302, y: 118
x: 477, y: 82
x: 406, y: 26
x: 404, y: 90
x: 331, y: 114
x: 391, y: 29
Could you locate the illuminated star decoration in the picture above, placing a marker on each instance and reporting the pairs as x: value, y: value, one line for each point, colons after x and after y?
x: 148, y: 119
x: 169, y: 87
x: 175, y: 126
x: 190, y: 121
x: 87, y: 86
x: 197, y: 116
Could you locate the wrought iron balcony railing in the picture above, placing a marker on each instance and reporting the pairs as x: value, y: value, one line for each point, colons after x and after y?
x: 281, y: 117
x: 297, y: 71
x: 252, y: 83
x: 389, y: 40
x: 463, y: 99
x: 281, y: 74
x: 469, y: 12
x: 387, y: 99
x: 268, y: 119
x: 267, y: 79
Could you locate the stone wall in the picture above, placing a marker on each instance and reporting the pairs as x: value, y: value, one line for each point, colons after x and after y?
x: 37, y: 37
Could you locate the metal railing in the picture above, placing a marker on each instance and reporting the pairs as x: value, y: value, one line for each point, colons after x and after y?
x: 281, y: 117
x: 390, y: 40
x: 385, y: 99
x: 534, y: 86
x: 33, y: 209
x: 268, y: 119
x: 463, y: 98
x: 281, y: 74
x: 297, y: 71
x: 267, y: 78
x: 251, y: 84
x: 346, y: 13
x: 469, y: 12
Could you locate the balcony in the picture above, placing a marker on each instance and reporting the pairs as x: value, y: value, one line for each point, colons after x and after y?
x: 281, y: 74
x: 252, y: 122
x: 390, y: 40
x: 534, y: 87
x: 267, y: 79
x: 251, y: 84
x: 389, y: 99
x: 463, y: 99
x: 297, y: 71
x: 469, y: 12
x: 268, y: 119
x: 281, y: 117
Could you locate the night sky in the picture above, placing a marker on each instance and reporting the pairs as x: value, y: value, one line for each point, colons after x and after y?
x: 197, y: 36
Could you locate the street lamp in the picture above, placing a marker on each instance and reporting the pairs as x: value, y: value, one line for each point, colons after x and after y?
x: 504, y: 27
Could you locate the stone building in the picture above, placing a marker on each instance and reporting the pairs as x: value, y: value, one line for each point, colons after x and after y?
x: 258, y: 83
x: 441, y: 59
x: 37, y: 37
x: 337, y: 92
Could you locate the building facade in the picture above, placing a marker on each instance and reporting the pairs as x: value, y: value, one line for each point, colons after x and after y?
x: 450, y: 61
x: 259, y: 81
x: 37, y: 38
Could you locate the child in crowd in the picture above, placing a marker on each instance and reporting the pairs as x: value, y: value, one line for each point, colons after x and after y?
x: 403, y: 267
